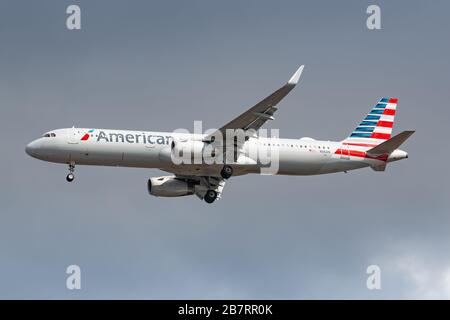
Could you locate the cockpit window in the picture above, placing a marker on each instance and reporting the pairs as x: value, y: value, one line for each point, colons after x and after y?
x: 48, y: 135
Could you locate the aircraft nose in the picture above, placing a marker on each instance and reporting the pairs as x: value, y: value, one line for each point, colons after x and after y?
x: 32, y: 148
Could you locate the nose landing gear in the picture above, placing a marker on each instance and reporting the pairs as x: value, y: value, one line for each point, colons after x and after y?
x: 70, y: 177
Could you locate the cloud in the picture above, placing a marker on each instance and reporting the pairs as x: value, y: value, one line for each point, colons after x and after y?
x: 420, y: 277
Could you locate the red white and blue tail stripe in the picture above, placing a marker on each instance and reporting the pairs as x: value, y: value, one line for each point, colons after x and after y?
x: 375, y: 128
x: 377, y: 125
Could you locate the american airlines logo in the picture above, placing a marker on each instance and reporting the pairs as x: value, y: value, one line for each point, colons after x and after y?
x: 87, y: 135
x: 130, y: 138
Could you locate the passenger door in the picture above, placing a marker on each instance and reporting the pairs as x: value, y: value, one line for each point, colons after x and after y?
x: 73, y: 136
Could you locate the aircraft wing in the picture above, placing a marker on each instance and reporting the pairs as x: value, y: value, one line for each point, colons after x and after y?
x: 263, y: 111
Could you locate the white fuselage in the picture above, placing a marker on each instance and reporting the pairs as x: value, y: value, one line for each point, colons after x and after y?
x: 149, y: 150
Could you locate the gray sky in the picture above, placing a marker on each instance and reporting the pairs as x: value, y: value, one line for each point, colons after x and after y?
x: 160, y: 65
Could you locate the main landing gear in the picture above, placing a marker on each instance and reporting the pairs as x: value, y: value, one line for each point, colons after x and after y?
x: 226, y: 172
x: 70, y: 177
x: 210, y: 196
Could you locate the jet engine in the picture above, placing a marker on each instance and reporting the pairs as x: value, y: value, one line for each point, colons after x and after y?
x: 169, y: 186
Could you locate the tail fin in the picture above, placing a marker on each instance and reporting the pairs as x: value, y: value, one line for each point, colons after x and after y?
x: 376, y: 127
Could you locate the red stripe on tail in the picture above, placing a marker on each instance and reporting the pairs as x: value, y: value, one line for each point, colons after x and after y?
x: 378, y: 135
x: 386, y: 124
x: 389, y: 112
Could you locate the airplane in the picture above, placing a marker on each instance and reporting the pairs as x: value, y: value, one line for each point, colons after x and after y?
x: 369, y: 145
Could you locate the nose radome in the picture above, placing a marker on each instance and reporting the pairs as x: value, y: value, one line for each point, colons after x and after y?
x: 32, y: 148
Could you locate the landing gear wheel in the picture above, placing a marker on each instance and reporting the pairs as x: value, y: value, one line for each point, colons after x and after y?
x: 210, y: 196
x: 71, y: 176
x: 226, y: 172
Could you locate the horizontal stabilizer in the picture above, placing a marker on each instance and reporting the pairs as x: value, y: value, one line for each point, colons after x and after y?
x: 390, y: 145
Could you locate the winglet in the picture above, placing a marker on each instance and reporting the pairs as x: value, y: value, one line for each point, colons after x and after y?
x: 294, y: 79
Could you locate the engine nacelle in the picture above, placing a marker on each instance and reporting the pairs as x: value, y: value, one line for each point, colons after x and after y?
x: 169, y: 186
